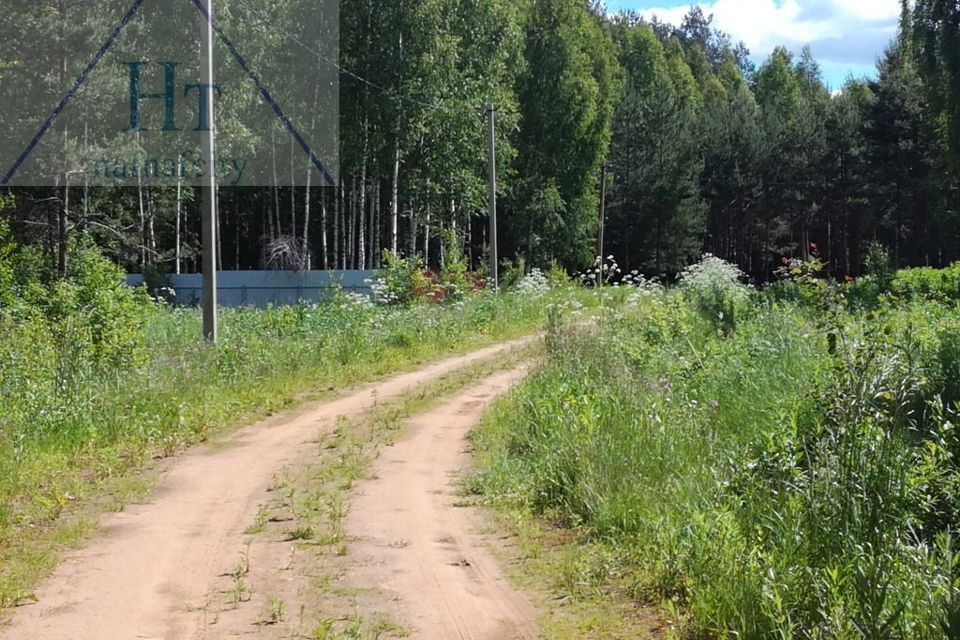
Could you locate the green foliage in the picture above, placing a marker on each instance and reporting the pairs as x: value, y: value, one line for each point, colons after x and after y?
x: 454, y: 284
x: 936, y: 44
x: 938, y: 284
x: 404, y: 281
x: 715, y: 288
x: 794, y: 477
x: 101, y: 380
x: 704, y: 152
x: 512, y: 272
x: 401, y: 281
x: 879, y: 266
x: 656, y: 158
x: 566, y: 95
x: 923, y: 283
x: 7, y: 250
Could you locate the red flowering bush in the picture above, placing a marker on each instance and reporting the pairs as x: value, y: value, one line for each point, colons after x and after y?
x: 803, y: 272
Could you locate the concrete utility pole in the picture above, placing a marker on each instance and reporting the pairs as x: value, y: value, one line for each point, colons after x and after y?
x: 492, y: 172
x: 209, y: 187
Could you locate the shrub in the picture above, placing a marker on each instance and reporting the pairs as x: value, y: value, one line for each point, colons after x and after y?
x: 511, y: 273
x: 879, y: 267
x: 7, y: 259
x: 534, y: 284
x: 927, y: 283
x: 401, y: 281
x: 716, y: 289
x: 454, y: 281
x: 94, y: 307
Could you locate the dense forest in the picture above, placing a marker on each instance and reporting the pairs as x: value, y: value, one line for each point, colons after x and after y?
x: 705, y: 151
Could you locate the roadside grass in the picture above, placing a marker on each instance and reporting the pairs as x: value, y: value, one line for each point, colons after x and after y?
x: 579, y: 597
x: 314, y: 496
x: 775, y: 470
x: 77, y: 433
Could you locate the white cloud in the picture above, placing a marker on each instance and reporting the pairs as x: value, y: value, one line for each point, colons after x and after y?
x: 851, y: 32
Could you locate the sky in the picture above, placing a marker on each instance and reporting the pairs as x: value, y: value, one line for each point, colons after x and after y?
x: 846, y: 36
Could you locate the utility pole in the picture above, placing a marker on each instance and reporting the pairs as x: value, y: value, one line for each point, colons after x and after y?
x: 209, y: 187
x: 603, y: 219
x: 492, y: 172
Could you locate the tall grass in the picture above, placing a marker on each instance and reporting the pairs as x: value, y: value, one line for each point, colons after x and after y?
x: 783, y: 471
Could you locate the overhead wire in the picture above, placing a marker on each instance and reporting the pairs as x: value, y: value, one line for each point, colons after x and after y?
x: 265, y: 20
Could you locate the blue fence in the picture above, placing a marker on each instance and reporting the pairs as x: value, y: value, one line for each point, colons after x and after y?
x: 262, y: 288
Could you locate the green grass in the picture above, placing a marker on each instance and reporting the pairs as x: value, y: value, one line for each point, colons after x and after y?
x: 95, y: 391
x: 784, y: 471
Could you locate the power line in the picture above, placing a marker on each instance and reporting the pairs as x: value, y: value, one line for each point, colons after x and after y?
x: 347, y: 72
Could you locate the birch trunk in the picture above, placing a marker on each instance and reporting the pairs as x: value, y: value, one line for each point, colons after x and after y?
x: 395, y: 193
x: 306, y: 220
x: 352, y: 238
x: 151, y: 230
x: 412, y: 240
x: 426, y: 239
x: 293, y: 194
x: 336, y: 225
x: 143, y: 222
x: 275, y: 225
x: 323, y: 229
x: 361, y: 212
x: 375, y: 225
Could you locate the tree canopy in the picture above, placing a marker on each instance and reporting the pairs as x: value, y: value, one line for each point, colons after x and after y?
x: 706, y: 152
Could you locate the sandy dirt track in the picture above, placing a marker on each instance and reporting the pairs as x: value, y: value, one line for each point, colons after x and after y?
x: 149, y: 575
x: 420, y: 550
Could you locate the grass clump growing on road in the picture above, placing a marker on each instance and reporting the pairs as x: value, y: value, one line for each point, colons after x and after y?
x: 790, y: 474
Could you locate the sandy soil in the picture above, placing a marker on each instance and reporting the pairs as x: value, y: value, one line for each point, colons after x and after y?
x: 151, y: 574
x: 419, y: 549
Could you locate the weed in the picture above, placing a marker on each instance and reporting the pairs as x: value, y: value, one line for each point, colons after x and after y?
x: 324, y: 630
x: 259, y: 522
x: 301, y: 533
x: 239, y: 591
x: 793, y: 475
x: 277, y: 609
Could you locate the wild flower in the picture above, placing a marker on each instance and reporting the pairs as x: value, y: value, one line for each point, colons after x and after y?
x: 356, y: 301
x: 382, y: 294
x: 714, y: 273
x: 604, y: 272
x: 534, y: 285
x: 644, y: 287
x: 715, y: 287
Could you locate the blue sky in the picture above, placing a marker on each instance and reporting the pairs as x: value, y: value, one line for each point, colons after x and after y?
x: 846, y: 36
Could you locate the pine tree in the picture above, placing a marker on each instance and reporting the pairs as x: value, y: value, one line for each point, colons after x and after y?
x: 656, y: 212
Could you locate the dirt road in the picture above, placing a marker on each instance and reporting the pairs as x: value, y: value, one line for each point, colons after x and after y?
x: 149, y: 575
x: 419, y: 549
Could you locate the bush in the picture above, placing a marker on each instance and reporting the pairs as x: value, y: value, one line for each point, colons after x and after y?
x: 715, y: 287
x: 922, y: 283
x: 511, y: 273
x: 454, y: 282
x: 7, y: 249
x: 927, y: 283
x: 534, y: 285
x: 401, y: 282
x: 878, y: 266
